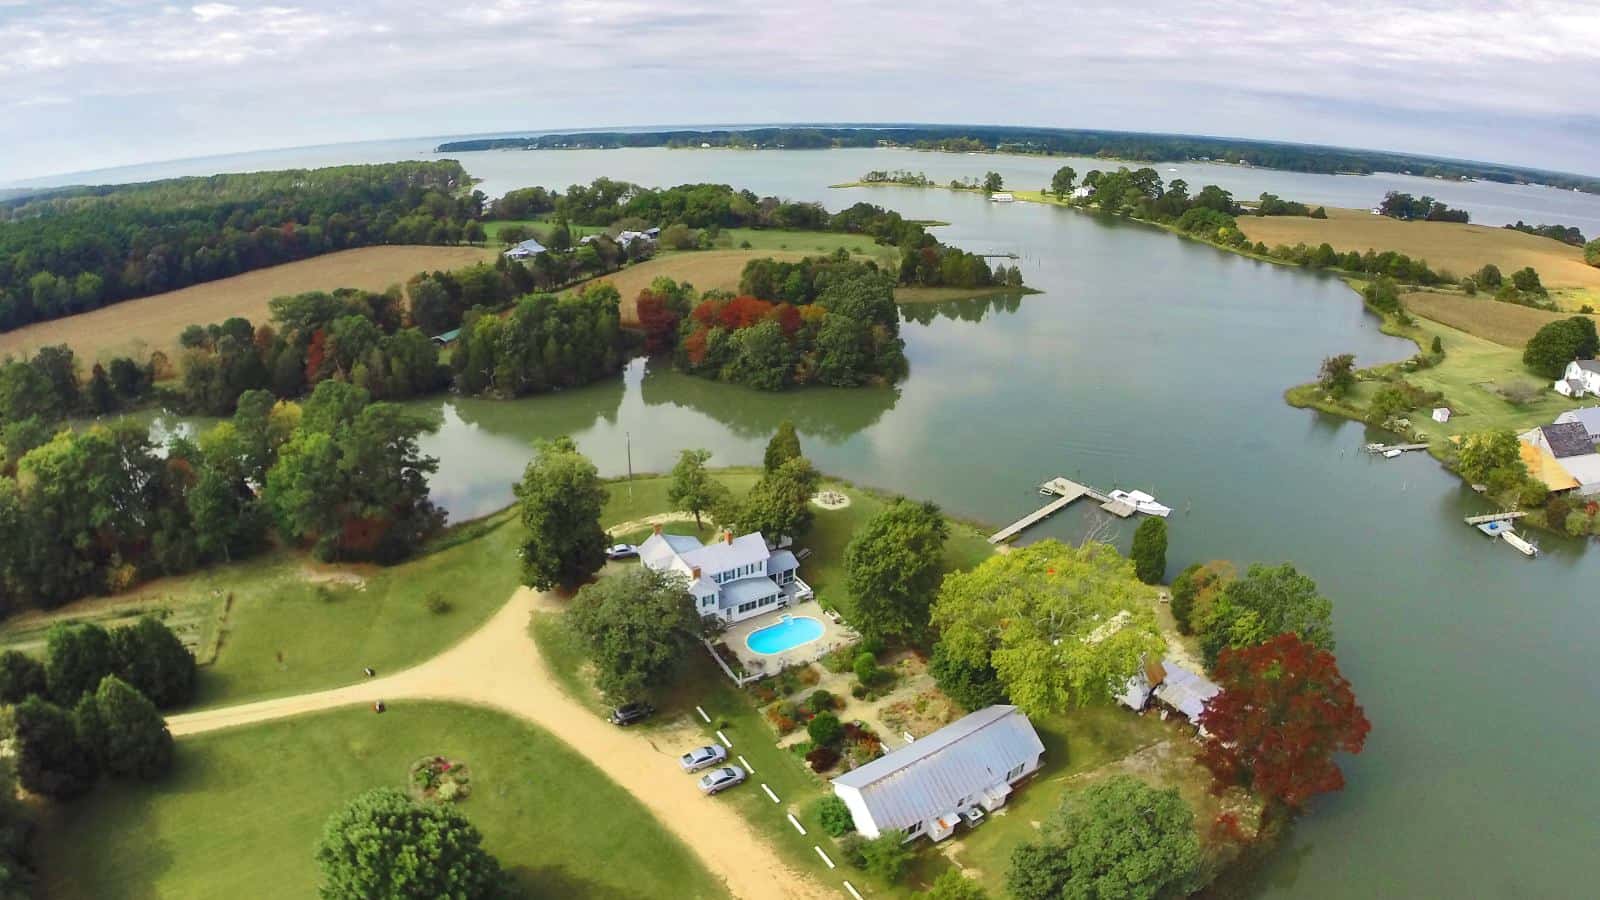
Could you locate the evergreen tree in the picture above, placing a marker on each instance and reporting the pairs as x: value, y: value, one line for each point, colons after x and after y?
x: 1149, y: 552
x: 784, y: 446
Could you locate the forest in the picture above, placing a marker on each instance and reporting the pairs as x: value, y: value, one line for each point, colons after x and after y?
x: 1120, y: 145
x: 78, y: 249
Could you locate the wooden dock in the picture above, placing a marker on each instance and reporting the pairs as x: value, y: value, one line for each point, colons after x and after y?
x: 1496, y: 517
x: 1385, y: 448
x: 1067, y: 492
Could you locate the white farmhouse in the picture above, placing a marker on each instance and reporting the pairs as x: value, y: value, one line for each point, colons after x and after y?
x: 731, y: 578
x: 924, y: 787
x: 1581, y: 378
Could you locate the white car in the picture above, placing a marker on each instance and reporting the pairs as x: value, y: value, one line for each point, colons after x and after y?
x: 701, y: 757
x: 621, y: 551
x: 718, y: 780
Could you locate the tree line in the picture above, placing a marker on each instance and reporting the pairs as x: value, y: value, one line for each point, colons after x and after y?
x: 1566, y: 234
x: 1398, y: 205
x: 1123, y: 145
x: 79, y: 249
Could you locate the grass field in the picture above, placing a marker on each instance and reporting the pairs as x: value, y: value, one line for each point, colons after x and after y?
x: 138, y: 327
x: 1503, y: 323
x: 292, y: 627
x: 1461, y: 249
x: 207, y: 831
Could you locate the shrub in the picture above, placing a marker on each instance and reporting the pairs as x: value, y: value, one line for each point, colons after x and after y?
x: 866, y: 669
x: 821, y: 701
x: 834, y: 816
x: 783, y: 717
x: 821, y: 759
x: 887, y: 855
x: 21, y: 676
x: 850, y: 847
x: 1577, y: 523
x: 858, y: 691
x: 839, y: 661
x: 437, y: 604
x: 825, y: 729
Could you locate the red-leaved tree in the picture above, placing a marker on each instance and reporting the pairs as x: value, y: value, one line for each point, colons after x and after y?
x: 1284, y: 710
x: 659, y: 322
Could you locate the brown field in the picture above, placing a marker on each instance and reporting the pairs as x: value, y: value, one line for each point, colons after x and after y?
x: 138, y: 327
x: 1504, y: 323
x: 1461, y: 249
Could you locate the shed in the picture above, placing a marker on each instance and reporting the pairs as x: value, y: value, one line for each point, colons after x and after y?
x: 1441, y: 414
x: 921, y: 787
x: 446, y: 338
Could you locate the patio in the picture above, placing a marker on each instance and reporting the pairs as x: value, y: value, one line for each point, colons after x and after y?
x: 834, y: 635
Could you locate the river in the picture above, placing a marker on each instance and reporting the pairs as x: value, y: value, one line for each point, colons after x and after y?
x: 1152, y: 362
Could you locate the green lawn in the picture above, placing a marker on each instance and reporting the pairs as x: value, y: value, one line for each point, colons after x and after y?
x: 810, y: 242
x: 540, y: 226
x: 243, y: 809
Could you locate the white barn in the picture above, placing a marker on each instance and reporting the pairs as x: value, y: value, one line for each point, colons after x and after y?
x: 924, y: 786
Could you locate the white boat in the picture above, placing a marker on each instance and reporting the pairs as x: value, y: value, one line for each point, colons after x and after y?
x: 1391, y: 454
x: 1142, y: 502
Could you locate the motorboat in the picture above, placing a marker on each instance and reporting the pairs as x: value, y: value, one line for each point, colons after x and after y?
x: 1142, y: 502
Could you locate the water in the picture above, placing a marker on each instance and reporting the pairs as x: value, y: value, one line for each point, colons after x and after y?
x: 1154, y: 363
x: 788, y: 634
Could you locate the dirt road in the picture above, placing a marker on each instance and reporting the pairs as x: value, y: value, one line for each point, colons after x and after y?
x: 500, y: 666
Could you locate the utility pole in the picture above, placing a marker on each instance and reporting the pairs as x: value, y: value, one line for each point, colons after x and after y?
x: 627, y: 437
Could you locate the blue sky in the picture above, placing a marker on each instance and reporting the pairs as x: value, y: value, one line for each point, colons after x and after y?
x: 93, y: 83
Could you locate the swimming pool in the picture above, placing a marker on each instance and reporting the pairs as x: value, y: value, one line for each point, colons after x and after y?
x: 786, y: 635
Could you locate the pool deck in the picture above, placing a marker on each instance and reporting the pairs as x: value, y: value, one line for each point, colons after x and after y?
x: 834, y: 635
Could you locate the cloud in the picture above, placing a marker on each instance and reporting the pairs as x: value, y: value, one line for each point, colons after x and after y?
x: 219, y: 76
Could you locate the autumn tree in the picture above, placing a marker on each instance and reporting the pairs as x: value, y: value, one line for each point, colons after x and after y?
x: 561, y: 498
x: 892, y: 569
x: 1283, y: 711
x: 1195, y: 589
x: 692, y: 488
x: 1058, y: 624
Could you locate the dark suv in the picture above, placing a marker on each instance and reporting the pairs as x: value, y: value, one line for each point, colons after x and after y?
x: 629, y: 713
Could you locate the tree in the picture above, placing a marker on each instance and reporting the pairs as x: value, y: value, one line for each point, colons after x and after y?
x: 1558, y: 343
x: 385, y: 846
x: 952, y: 885
x: 780, y: 503
x: 21, y: 677
x: 834, y: 815
x: 1337, y: 376
x: 1118, y: 838
x: 125, y: 731
x: 1591, y: 252
x: 974, y: 686
x: 892, y: 569
x: 51, y: 760
x: 992, y: 182
x: 1058, y: 624
x: 77, y: 656
x: 638, y: 626
x: 1283, y: 711
x: 1061, y: 181
x: 561, y: 498
x: 888, y: 855
x: 1267, y: 601
x: 1195, y: 590
x: 152, y: 659
x: 693, y: 489
x: 1486, y: 452
x: 1526, y: 281
x: 1149, y: 551
x: 784, y: 446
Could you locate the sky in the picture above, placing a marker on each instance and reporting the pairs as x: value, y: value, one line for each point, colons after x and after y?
x: 87, y: 84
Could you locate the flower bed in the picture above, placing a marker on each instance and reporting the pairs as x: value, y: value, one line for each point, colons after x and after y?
x: 439, y: 780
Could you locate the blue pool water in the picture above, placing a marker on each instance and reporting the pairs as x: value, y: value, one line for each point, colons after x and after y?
x: 786, y: 635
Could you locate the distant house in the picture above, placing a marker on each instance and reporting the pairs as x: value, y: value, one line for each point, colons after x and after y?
x: 1581, y: 378
x: 1441, y: 414
x: 1173, y: 685
x: 924, y: 786
x: 447, y: 338
x: 1588, y: 417
x: 525, y: 250
x: 1573, y: 449
x: 730, y: 578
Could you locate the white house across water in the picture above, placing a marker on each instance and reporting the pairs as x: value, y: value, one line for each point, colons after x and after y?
x: 730, y: 578
x: 925, y: 786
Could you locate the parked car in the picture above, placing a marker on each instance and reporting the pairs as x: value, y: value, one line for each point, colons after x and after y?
x: 629, y: 713
x: 701, y: 757
x: 719, y: 780
x: 621, y: 551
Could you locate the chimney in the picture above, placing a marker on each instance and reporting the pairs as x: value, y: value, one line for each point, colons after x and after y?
x: 694, y: 575
x: 727, y: 537
x: 656, y: 528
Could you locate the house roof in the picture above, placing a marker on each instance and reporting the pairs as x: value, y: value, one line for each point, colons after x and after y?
x: 1588, y: 365
x: 446, y: 337
x: 747, y: 590
x: 1567, y: 439
x: 1543, y: 466
x: 1588, y: 417
x: 781, y: 561
x: 661, y: 549
x: 932, y: 775
x: 1186, y: 691
x: 1585, y: 468
x: 529, y: 246
x: 721, y: 556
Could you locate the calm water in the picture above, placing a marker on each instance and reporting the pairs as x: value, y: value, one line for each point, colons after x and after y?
x: 1156, y: 363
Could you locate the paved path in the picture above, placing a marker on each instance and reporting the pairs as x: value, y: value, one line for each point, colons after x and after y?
x: 500, y: 666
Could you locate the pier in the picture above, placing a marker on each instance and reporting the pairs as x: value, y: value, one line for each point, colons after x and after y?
x: 1066, y: 492
x: 1496, y: 517
x: 1385, y: 448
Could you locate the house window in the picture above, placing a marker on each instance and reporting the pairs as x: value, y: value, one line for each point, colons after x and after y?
x: 914, y: 828
x: 1016, y: 771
